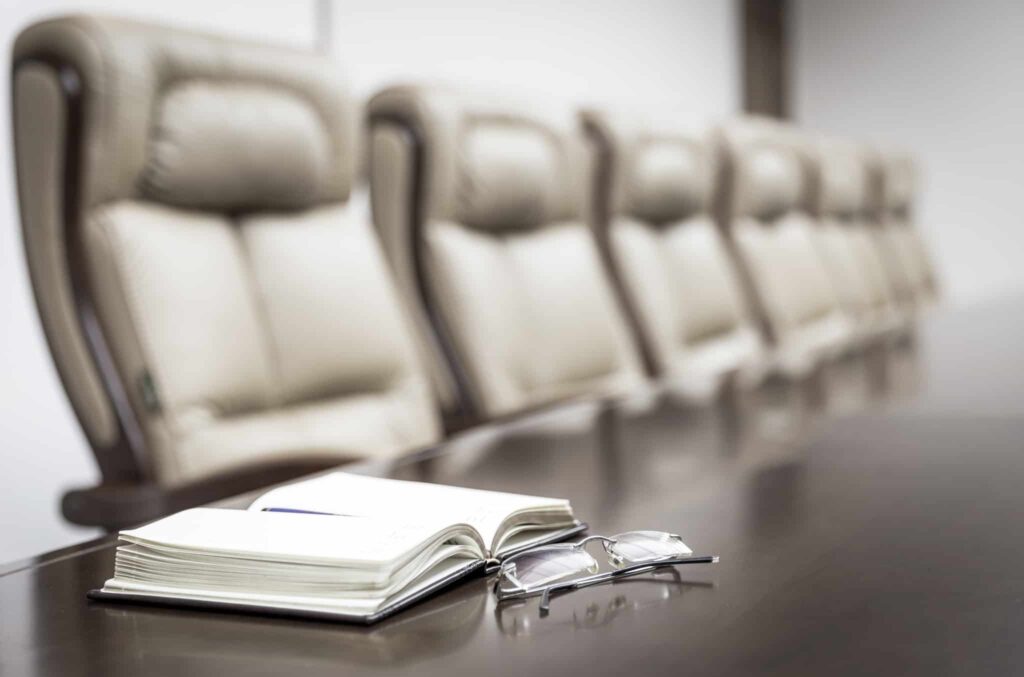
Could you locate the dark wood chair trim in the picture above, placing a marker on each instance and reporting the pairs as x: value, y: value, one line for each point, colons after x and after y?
x: 601, y: 187
x: 469, y: 402
x: 126, y: 459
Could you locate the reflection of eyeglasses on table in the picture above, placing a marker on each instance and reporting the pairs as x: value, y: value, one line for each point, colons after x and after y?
x: 620, y: 598
x: 568, y: 566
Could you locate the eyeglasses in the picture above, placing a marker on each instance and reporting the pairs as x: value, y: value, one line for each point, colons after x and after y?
x: 562, y: 567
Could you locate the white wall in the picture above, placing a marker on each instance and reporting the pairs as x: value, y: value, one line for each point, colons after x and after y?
x: 941, y: 78
x: 610, y: 51
x: 42, y: 449
x: 677, y: 53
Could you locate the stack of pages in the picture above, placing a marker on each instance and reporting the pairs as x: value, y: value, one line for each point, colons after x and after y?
x: 338, y: 546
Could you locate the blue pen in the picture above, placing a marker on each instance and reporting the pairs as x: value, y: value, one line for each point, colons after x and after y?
x: 303, y: 512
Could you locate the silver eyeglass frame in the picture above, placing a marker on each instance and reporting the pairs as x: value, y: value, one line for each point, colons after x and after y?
x: 521, y: 591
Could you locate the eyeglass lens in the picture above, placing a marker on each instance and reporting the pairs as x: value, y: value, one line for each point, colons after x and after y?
x: 545, y: 566
x: 635, y: 547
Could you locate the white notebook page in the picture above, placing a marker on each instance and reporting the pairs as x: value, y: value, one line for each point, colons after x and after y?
x: 346, y: 494
x: 351, y: 541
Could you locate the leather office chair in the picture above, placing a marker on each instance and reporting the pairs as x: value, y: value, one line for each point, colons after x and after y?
x: 911, y: 270
x: 653, y: 190
x: 839, y: 201
x: 493, y: 242
x: 761, y: 205
x: 219, y: 317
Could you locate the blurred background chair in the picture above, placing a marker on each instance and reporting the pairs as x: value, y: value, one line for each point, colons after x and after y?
x: 219, y: 317
x: 886, y: 239
x: 839, y: 197
x: 912, y: 269
x: 493, y: 237
x: 653, y: 191
x: 762, y: 208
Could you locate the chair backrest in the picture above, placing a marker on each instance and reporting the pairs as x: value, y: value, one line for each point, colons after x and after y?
x: 762, y: 205
x: 839, y: 201
x: 653, y: 194
x: 895, y: 188
x: 492, y: 238
x: 210, y: 299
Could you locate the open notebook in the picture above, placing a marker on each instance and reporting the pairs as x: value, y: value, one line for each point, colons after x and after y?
x: 339, y: 546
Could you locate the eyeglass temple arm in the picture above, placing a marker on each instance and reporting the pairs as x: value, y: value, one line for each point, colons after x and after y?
x: 545, y: 600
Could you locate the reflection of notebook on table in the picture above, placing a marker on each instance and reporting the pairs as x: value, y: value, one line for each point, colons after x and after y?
x: 340, y: 546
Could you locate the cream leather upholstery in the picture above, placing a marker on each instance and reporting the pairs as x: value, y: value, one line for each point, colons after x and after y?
x: 494, y: 240
x: 247, y: 309
x: 840, y: 200
x: 654, y: 191
x: 911, y: 268
x: 761, y: 205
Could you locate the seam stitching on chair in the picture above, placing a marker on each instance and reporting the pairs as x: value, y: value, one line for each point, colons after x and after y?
x: 256, y: 292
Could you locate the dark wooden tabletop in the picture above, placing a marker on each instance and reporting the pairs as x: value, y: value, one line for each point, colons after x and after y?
x: 881, y: 537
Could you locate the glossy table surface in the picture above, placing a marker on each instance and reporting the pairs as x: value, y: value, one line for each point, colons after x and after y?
x: 882, y: 535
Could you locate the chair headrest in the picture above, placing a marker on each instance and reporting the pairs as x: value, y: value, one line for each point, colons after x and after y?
x: 199, y: 121
x: 490, y: 165
x: 767, y: 178
x: 662, y: 173
x: 899, y: 181
x: 840, y: 185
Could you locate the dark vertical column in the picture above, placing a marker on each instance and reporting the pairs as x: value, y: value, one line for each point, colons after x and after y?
x: 765, y: 57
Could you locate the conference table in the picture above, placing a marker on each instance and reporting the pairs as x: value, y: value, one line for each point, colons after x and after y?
x: 880, y: 533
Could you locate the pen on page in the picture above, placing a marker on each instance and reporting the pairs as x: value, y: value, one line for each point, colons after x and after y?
x: 303, y: 512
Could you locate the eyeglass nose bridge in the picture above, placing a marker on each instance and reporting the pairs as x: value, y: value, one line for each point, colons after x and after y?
x: 603, y: 539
